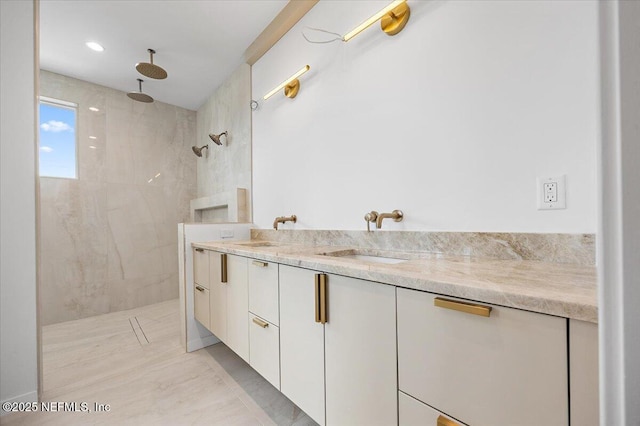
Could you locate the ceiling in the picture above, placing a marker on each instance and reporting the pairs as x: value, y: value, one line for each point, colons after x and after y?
x: 199, y: 43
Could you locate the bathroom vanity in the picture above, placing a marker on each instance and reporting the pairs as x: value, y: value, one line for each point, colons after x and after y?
x: 356, y: 336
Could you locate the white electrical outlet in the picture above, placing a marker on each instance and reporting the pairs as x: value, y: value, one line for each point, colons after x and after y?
x: 551, y: 193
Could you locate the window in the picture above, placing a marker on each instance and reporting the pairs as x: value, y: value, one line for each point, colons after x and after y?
x: 58, y: 138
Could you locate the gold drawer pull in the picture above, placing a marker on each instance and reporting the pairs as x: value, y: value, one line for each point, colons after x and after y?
x: 469, y: 308
x: 199, y: 250
x: 199, y: 288
x: 323, y: 298
x: 261, y: 323
x: 316, y: 291
x: 223, y: 268
x: 260, y: 264
x: 443, y: 421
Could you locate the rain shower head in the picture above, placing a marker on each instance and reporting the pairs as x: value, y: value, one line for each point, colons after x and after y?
x: 198, y: 151
x: 151, y: 70
x: 139, y: 96
x: 216, y: 138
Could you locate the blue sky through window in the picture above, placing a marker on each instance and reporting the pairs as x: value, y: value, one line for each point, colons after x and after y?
x: 57, y: 141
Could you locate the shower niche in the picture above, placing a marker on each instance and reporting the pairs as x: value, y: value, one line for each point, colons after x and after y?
x: 229, y: 206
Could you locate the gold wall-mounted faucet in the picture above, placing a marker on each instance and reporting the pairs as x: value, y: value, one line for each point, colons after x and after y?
x: 396, y: 215
x: 283, y: 219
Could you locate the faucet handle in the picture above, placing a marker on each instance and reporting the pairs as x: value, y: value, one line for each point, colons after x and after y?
x: 372, y: 216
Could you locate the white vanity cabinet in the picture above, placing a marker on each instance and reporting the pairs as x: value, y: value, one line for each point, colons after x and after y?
x: 263, y: 290
x: 217, y: 296
x: 237, y: 306
x: 264, y: 349
x: 301, y: 342
x: 337, y: 338
x: 509, y: 368
x: 360, y: 353
x: 229, y: 301
x: 264, y: 334
x: 201, y: 267
x: 201, y: 286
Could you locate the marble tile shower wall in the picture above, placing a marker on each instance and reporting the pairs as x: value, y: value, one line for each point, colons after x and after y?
x: 225, y: 168
x: 108, y: 239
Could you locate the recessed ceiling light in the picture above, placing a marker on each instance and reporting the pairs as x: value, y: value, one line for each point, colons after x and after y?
x: 94, y: 109
x: 94, y: 46
x: 92, y: 147
x: 92, y: 137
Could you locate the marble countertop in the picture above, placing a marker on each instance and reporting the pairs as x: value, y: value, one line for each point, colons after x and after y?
x: 565, y: 290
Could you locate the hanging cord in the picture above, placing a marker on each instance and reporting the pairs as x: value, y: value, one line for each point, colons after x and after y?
x: 339, y: 37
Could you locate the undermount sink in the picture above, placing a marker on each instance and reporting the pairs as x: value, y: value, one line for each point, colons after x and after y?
x: 366, y: 256
x: 374, y: 259
x: 259, y: 244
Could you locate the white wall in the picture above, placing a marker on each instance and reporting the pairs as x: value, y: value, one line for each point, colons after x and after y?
x: 18, y: 337
x: 451, y: 120
x: 619, y: 227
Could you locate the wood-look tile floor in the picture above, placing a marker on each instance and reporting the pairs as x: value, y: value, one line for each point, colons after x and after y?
x: 133, y: 361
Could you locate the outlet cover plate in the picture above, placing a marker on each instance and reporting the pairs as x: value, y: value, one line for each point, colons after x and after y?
x: 226, y: 233
x: 561, y: 193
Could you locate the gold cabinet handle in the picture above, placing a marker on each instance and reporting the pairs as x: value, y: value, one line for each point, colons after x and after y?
x: 199, y: 250
x: 260, y: 264
x: 323, y: 298
x: 223, y: 267
x: 443, y: 421
x: 316, y: 291
x: 261, y: 323
x: 469, y: 308
x: 199, y: 288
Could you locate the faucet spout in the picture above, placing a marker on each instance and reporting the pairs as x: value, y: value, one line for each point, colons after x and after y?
x: 283, y: 219
x: 396, y: 215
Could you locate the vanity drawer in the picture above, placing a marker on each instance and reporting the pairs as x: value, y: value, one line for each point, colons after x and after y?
x: 505, y: 369
x: 414, y: 413
x: 264, y: 349
x: 263, y: 290
x: 201, y: 304
x: 201, y: 267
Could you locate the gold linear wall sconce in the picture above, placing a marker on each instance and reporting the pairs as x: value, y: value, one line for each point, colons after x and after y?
x: 393, y: 19
x: 291, y: 85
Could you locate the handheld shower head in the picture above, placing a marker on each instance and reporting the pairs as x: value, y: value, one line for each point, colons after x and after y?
x: 198, y: 151
x: 216, y: 138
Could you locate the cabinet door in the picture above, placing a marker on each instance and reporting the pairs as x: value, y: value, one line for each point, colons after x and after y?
x: 264, y: 349
x: 506, y: 369
x: 360, y: 353
x: 415, y: 413
x: 217, y: 297
x: 583, y: 364
x: 237, y: 306
x: 201, y: 305
x: 263, y: 289
x: 301, y: 342
x: 201, y: 267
